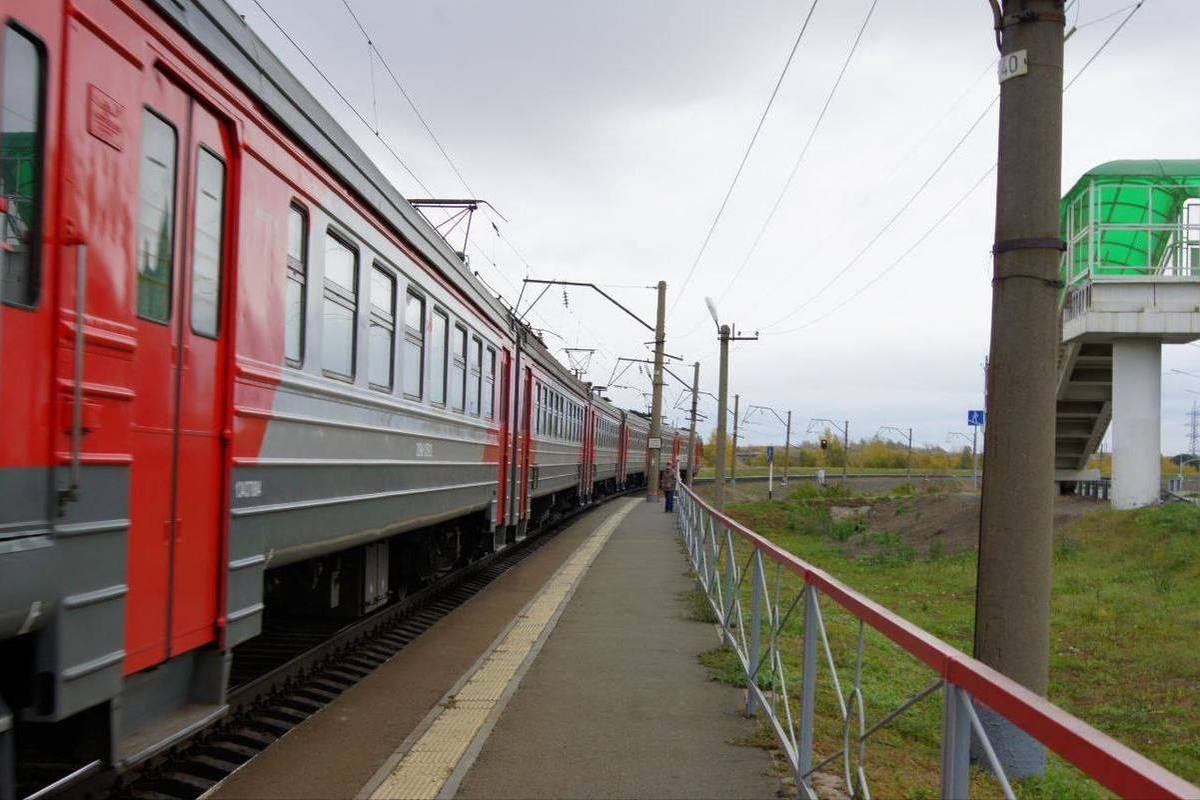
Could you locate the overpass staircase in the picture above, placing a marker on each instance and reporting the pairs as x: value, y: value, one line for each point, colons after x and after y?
x: 1083, y: 407
x: 1130, y: 283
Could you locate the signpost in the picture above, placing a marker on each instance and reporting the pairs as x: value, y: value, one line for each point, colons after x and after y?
x: 975, y: 418
x: 770, y: 471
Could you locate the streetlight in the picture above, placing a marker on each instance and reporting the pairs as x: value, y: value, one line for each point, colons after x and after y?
x: 726, y: 336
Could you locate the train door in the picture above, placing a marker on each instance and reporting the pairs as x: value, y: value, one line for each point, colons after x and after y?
x: 178, y: 453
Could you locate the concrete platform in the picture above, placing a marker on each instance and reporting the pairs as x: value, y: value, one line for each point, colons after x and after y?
x: 616, y: 703
x: 574, y: 675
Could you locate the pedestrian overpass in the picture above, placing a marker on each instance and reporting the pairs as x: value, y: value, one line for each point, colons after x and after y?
x: 1131, y: 283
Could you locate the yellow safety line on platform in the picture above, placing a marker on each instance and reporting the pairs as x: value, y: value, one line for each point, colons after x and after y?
x: 431, y: 761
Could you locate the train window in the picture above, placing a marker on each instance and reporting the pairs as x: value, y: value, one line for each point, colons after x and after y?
x: 414, y: 345
x: 339, y: 311
x: 475, y: 387
x: 21, y: 165
x: 208, y: 243
x: 297, y: 277
x: 156, y: 218
x: 489, y: 384
x: 381, y: 333
x: 458, y: 370
x: 437, y: 356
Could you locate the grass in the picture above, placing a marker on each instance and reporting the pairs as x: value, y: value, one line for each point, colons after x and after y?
x: 834, y: 472
x: 1125, y: 622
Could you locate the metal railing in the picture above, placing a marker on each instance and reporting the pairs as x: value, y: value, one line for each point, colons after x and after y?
x: 1098, y: 248
x: 758, y: 613
x: 1100, y: 489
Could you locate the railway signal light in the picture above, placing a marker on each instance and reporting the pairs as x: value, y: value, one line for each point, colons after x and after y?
x: 824, y: 443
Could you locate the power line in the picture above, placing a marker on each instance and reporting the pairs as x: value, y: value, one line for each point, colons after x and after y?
x: 745, y: 156
x: 957, y: 203
x: 896, y: 216
x: 928, y: 232
x: 803, y: 152
x: 1133, y: 10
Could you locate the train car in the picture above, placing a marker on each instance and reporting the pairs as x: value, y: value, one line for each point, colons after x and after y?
x: 242, y: 376
x: 604, y: 451
x: 637, y: 457
x: 558, y: 409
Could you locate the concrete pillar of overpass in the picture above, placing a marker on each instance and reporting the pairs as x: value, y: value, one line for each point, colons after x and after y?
x: 1137, y: 420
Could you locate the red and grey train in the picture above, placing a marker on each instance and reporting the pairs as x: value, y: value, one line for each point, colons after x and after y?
x: 239, y: 373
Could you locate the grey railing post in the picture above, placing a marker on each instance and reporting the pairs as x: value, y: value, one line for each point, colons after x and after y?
x: 956, y: 745
x: 731, y: 601
x: 808, y: 687
x: 756, y: 605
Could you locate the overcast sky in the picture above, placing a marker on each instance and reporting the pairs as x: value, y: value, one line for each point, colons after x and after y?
x: 607, y: 133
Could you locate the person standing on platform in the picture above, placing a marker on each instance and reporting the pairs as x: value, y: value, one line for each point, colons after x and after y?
x: 667, y: 482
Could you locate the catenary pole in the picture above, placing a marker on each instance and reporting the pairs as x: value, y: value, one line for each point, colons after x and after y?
x: 787, y: 448
x: 1012, y: 608
x: 722, y: 411
x: 908, y: 462
x: 660, y: 336
x: 693, y: 462
x: 845, y: 451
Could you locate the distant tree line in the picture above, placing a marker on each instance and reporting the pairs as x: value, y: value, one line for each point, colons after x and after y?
x: 873, y: 453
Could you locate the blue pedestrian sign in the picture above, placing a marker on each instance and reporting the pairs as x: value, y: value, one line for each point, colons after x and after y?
x: 770, y: 454
x: 975, y: 416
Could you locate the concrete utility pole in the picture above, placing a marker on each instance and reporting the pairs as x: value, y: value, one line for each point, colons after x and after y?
x: 693, y: 462
x: 733, y: 455
x: 1012, y: 606
x: 660, y: 338
x: 787, y: 448
x: 722, y: 411
x: 726, y: 336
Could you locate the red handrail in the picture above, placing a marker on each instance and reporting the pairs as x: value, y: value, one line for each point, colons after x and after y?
x: 1104, y: 759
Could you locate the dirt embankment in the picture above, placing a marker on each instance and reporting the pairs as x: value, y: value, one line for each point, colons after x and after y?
x: 929, y: 525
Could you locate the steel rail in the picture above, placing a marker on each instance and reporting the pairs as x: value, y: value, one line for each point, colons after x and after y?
x: 708, y: 537
x: 282, y: 697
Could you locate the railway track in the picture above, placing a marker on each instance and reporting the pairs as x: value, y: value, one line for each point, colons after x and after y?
x: 283, y: 677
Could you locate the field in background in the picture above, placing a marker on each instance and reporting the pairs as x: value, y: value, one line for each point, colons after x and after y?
x: 1125, y: 617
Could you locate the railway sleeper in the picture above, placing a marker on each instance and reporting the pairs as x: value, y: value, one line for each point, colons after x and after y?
x: 250, y: 738
x: 271, y: 723
x: 183, y: 784
x: 229, y: 750
x: 285, y: 715
x: 204, y: 767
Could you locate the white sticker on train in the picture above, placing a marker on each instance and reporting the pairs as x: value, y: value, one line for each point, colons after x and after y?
x: 244, y: 489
